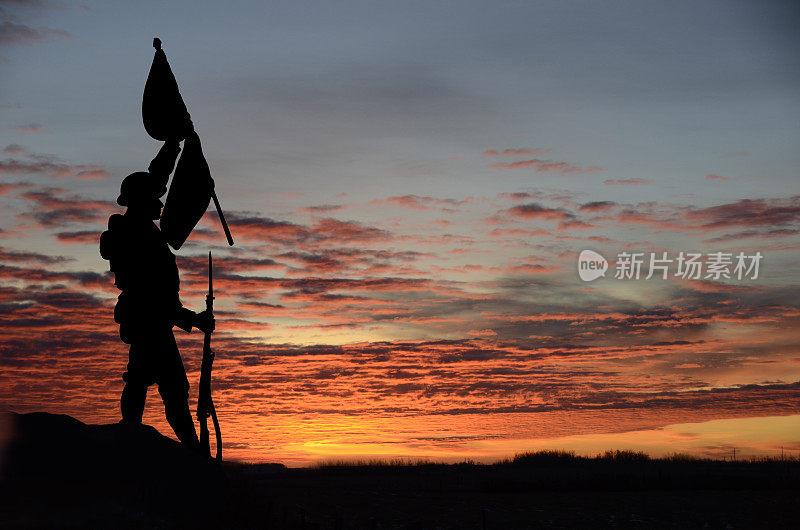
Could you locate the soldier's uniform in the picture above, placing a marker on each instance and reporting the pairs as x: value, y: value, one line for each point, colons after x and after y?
x: 149, y: 306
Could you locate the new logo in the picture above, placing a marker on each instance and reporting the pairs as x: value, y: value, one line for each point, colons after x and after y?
x: 591, y: 265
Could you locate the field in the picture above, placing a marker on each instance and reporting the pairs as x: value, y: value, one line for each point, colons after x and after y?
x: 123, y: 477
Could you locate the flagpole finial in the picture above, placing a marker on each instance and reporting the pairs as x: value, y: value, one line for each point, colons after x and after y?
x: 157, y: 43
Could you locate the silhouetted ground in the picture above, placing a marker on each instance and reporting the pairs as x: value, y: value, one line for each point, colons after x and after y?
x: 62, y: 473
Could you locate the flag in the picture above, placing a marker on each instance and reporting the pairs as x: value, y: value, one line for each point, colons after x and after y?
x: 189, y: 194
x: 163, y: 112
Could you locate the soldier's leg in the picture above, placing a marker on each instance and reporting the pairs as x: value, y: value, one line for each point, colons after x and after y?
x: 132, y: 402
x: 134, y: 393
x: 174, y: 389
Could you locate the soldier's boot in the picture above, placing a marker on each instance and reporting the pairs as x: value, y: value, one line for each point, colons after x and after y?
x: 132, y: 401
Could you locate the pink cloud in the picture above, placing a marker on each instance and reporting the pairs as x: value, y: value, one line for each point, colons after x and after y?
x: 537, y: 211
x: 13, y: 149
x: 538, y: 165
x: 717, y: 177
x: 627, y: 182
x: 8, y: 187
x: 50, y: 208
x: 415, y: 202
x: 48, y: 165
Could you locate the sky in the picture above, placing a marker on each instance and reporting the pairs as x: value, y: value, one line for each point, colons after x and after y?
x: 410, y: 186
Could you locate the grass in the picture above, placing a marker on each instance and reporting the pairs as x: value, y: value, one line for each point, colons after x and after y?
x: 551, y: 457
x: 372, y: 462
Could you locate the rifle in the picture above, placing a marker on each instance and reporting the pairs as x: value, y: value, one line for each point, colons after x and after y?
x: 205, y: 405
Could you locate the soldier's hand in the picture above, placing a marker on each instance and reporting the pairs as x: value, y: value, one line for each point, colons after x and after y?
x: 205, y: 322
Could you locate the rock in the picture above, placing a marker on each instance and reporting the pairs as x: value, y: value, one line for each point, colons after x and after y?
x: 58, y: 471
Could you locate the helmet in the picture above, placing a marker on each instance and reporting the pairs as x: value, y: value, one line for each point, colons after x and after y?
x: 140, y: 185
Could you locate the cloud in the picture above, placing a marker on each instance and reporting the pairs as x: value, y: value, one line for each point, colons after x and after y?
x: 597, y: 362
x: 15, y: 256
x: 347, y: 231
x: 539, y: 165
x: 628, y: 182
x: 324, y: 230
x: 535, y: 151
x: 80, y: 237
x: 415, y: 202
x: 90, y: 172
x: 776, y: 213
x: 717, y: 177
x: 28, y: 274
x: 537, y: 211
x: 773, y: 233
x: 32, y: 128
x: 598, y: 206
x: 9, y: 187
x: 499, y: 232
x: 531, y: 268
x: 51, y: 207
x: 575, y: 224
x: 774, y: 218
x: 365, y: 261
x: 522, y: 195
x: 226, y: 264
x: 13, y: 149
x: 48, y: 165
x: 322, y: 208
x: 255, y: 228
x: 747, y: 212
x: 13, y: 34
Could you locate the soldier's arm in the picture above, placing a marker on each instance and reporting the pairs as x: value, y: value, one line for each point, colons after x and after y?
x: 184, y: 319
x: 162, y: 165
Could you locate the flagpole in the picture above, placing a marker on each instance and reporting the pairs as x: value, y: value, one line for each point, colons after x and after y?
x: 221, y: 215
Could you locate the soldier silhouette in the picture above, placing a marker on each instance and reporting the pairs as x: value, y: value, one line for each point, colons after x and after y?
x: 149, y: 306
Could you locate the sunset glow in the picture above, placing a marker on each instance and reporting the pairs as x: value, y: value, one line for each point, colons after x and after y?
x: 409, y: 201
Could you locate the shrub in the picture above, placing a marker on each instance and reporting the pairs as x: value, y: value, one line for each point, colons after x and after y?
x: 625, y: 455
x: 544, y: 456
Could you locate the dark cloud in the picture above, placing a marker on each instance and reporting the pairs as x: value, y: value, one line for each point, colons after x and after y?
x: 80, y: 237
x: 13, y: 34
x: 537, y: 211
x: 322, y: 208
x: 597, y: 206
x: 254, y: 229
x: 7, y: 255
x: 51, y: 207
x: 37, y: 164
